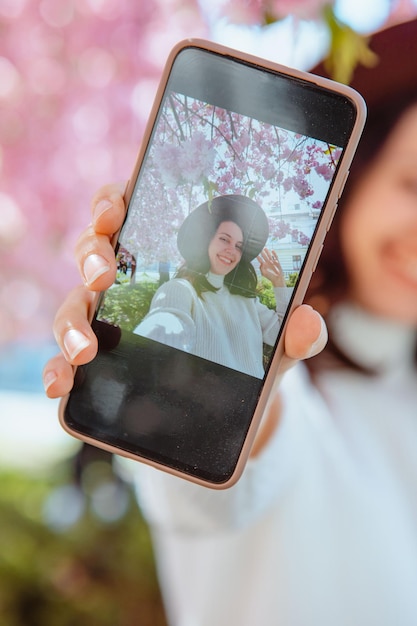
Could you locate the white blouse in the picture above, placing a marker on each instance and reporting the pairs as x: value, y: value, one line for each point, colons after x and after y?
x: 219, y: 326
x: 321, y: 530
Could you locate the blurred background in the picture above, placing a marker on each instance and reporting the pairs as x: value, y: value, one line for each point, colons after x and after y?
x: 77, y: 79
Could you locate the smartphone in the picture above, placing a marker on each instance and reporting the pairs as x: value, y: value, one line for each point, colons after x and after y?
x: 235, y: 186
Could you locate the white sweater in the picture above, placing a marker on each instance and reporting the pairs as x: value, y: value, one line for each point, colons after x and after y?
x: 321, y: 530
x: 224, y: 328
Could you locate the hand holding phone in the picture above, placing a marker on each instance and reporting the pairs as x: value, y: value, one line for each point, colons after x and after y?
x: 239, y: 155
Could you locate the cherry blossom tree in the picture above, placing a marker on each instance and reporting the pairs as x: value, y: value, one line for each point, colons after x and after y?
x: 77, y: 79
x: 200, y: 150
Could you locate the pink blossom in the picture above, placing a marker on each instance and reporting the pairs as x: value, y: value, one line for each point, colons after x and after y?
x: 166, y: 157
x: 243, y: 11
x: 269, y: 171
x: 196, y: 158
x: 325, y: 170
x: 244, y: 139
x: 303, y: 9
x: 260, y: 11
x: 75, y: 99
x: 302, y: 187
x: 278, y: 228
x: 77, y: 80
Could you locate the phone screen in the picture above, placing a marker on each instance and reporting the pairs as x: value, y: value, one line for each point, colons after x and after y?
x: 225, y: 208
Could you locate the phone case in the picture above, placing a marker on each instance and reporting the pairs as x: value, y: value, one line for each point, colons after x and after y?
x: 240, y: 168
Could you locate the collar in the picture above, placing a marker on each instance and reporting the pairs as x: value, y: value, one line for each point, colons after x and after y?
x: 374, y: 342
x: 215, y: 279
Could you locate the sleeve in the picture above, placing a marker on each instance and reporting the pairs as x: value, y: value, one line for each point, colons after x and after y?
x: 270, y: 320
x: 172, y: 503
x: 170, y: 318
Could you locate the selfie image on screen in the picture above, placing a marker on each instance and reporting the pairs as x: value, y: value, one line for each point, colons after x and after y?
x: 217, y: 232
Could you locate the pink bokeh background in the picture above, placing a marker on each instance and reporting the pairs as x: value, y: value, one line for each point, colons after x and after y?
x: 77, y: 79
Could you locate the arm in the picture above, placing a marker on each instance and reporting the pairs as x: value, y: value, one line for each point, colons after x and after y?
x: 271, y: 269
x: 170, y: 318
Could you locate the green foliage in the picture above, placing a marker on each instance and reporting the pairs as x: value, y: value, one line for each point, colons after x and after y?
x: 292, y: 279
x: 267, y: 297
x: 127, y: 305
x: 266, y: 291
x: 92, y: 573
x: 347, y: 49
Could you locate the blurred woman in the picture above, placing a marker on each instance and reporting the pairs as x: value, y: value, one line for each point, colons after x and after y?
x: 322, y: 527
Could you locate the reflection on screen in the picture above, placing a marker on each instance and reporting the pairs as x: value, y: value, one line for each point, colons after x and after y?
x: 199, y: 152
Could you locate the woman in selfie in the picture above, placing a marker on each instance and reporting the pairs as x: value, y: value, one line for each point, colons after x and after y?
x: 322, y: 527
x: 210, y: 308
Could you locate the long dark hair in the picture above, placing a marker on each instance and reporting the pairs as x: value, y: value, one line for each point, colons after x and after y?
x: 330, y: 282
x: 197, y: 232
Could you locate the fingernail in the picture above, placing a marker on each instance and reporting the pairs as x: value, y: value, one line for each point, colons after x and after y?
x: 75, y: 342
x: 320, y: 342
x: 48, y: 379
x: 94, y: 266
x: 101, y: 207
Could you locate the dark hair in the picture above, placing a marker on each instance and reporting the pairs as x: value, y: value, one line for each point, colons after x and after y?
x: 198, y: 230
x: 242, y: 280
x: 330, y: 281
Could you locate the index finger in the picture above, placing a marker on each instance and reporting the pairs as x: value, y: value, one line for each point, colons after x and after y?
x: 72, y: 328
x: 94, y: 250
x: 108, y: 209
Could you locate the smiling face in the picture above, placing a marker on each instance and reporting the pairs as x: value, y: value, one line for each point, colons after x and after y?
x: 225, y: 249
x: 379, y: 229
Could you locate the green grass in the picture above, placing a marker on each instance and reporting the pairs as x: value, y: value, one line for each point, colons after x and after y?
x: 92, y: 573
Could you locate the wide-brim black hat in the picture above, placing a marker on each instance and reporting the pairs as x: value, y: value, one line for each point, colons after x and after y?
x: 395, y: 71
x: 200, y: 225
